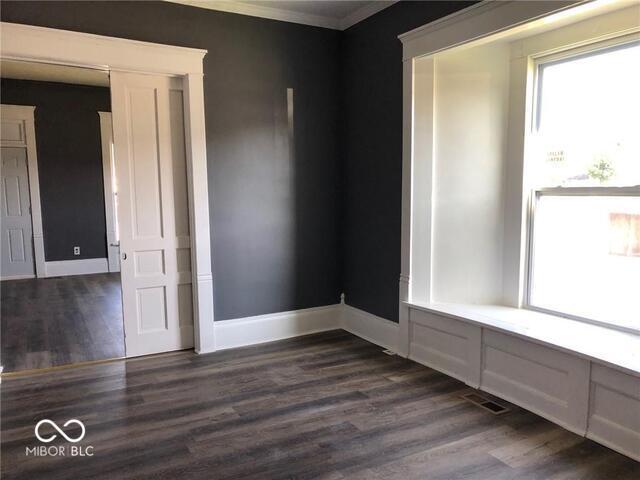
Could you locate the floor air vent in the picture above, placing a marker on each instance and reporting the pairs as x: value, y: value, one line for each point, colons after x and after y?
x: 486, y: 403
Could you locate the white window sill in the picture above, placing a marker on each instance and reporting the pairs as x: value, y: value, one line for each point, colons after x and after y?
x: 604, y: 345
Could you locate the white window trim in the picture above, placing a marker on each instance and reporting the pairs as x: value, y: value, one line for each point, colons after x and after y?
x: 47, y: 45
x: 538, y: 59
x: 576, y: 37
x: 476, y: 23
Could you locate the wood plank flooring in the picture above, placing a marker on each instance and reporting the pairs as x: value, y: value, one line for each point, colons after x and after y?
x: 328, y: 406
x: 46, y: 322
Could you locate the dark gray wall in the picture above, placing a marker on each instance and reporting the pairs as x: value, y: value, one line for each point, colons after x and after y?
x: 292, y: 226
x: 273, y: 206
x: 69, y: 163
x: 371, y: 148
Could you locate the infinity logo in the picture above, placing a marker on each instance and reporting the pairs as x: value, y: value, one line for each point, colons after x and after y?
x: 53, y: 436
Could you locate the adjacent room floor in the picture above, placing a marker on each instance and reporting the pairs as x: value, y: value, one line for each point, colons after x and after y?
x: 48, y: 322
x: 328, y: 406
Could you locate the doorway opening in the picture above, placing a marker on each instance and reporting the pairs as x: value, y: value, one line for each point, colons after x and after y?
x: 97, y: 252
x: 61, y: 289
x: 161, y: 166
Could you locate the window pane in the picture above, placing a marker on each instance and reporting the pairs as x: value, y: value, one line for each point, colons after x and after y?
x: 586, y: 259
x: 589, y: 120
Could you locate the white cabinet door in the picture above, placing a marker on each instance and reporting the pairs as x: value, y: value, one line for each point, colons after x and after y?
x: 149, y: 146
x: 15, y: 219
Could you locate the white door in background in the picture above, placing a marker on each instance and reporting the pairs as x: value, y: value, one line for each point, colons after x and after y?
x: 16, y: 240
x: 153, y: 220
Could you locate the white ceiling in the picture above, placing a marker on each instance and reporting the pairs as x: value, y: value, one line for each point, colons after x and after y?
x: 46, y: 72
x: 338, y: 15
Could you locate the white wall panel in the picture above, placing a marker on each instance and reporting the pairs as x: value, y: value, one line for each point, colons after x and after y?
x: 470, y: 111
x: 614, y: 413
x: 445, y: 344
x: 543, y: 380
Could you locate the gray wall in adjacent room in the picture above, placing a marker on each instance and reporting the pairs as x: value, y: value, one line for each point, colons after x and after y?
x: 273, y: 202
x: 371, y: 149
x: 69, y: 163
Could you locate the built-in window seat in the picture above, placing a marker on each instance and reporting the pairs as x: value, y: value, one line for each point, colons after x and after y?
x: 584, y: 377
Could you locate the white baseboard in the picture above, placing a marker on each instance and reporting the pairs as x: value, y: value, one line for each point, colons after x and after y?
x: 76, y: 267
x: 241, y: 332
x: 372, y: 328
x: 16, y: 277
x: 275, y: 326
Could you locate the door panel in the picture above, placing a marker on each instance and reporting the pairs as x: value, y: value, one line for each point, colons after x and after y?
x: 148, y: 130
x: 16, y: 237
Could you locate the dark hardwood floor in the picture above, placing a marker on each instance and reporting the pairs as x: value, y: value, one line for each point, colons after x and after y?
x: 48, y: 322
x: 327, y: 406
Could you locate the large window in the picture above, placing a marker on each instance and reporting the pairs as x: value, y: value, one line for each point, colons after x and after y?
x: 584, y: 256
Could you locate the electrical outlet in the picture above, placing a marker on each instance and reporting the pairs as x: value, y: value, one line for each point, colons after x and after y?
x: 76, y: 250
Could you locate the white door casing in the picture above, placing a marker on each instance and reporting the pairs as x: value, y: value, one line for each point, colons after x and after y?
x: 49, y: 45
x: 110, y: 203
x: 18, y: 130
x: 148, y: 132
x: 16, y: 241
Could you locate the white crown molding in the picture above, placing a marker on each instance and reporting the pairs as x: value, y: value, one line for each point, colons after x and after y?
x: 263, y: 12
x: 365, y: 12
x: 252, y: 10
